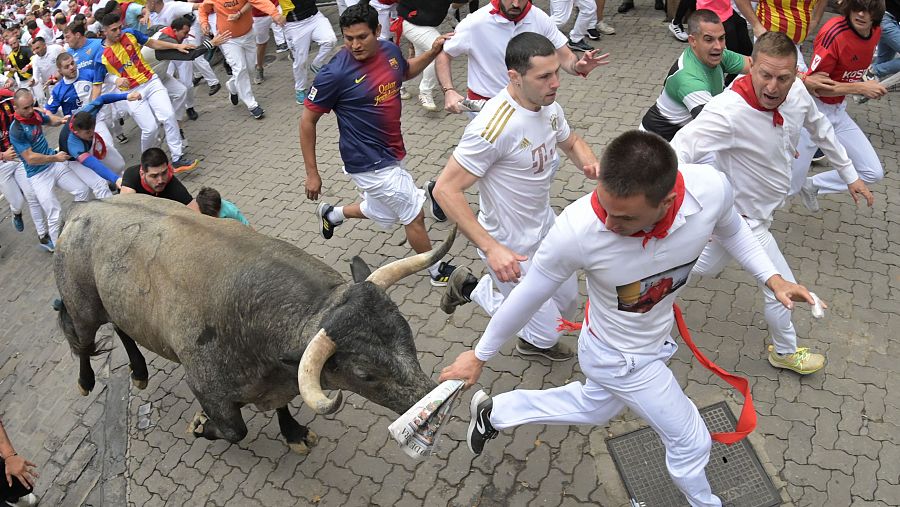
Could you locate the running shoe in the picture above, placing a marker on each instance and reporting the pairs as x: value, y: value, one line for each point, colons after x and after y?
x: 281, y: 48
x: 18, y: 223
x: 214, y: 89
x: 322, y: 211
x: 803, y: 361
x: 184, y: 165
x: 122, y: 138
x: 260, y: 76
x: 196, y: 80
x: 435, y: 209
x: 257, y: 112
x: 404, y: 93
x: 558, y: 352
x: 480, y: 428
x: 191, y: 114
x: 46, y: 243
x: 28, y: 500
x: 445, y: 269
x: 454, y: 295
x: 234, y: 98
x: 427, y: 102
x: 227, y: 68
x: 809, y: 194
x: 870, y: 74
x: 604, y: 28
x: 625, y: 7
x: 593, y: 34
x: 580, y: 45
x: 678, y: 32
x: 818, y: 156
x: 301, y: 96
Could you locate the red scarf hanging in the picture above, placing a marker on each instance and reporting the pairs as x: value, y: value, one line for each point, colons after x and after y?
x: 170, y: 32
x: 35, y: 119
x: 169, y: 175
x: 660, y: 229
x: 744, y: 87
x: 496, y: 10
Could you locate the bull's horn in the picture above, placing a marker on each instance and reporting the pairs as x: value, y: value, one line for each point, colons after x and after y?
x: 388, y: 275
x: 318, y: 351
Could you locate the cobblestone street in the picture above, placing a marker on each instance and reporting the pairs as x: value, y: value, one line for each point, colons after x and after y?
x: 829, y: 439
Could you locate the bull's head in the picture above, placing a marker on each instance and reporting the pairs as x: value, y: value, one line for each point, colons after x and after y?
x: 365, y: 345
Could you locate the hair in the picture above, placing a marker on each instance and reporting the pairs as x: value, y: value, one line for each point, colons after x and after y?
x: 523, y: 47
x: 874, y: 7
x: 83, y: 121
x: 76, y: 27
x: 701, y: 16
x: 32, y: 25
x: 359, y: 13
x: 62, y: 58
x: 639, y: 163
x: 180, y: 22
x: 775, y: 44
x: 209, y: 201
x: 38, y: 39
x: 110, y: 18
x: 153, y: 157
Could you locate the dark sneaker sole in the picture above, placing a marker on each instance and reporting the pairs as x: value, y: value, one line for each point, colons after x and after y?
x: 477, y: 398
x: 527, y: 352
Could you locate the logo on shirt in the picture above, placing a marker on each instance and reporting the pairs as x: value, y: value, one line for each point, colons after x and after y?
x: 386, y: 92
x: 524, y: 144
x: 641, y: 296
x: 312, y: 93
x: 554, y: 122
x: 394, y: 63
x: 539, y: 156
x: 360, y: 79
x: 817, y: 59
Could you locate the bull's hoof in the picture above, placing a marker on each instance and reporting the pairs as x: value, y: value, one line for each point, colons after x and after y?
x: 82, y: 390
x: 196, y: 426
x: 140, y: 384
x: 300, y: 448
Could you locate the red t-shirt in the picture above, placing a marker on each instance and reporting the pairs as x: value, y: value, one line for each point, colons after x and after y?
x: 842, y: 53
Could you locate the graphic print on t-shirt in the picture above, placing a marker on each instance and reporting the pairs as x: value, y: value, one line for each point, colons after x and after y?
x: 641, y: 296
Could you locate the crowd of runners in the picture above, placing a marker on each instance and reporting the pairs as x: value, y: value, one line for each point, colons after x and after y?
x: 740, y: 117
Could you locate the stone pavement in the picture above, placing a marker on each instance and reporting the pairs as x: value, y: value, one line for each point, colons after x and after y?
x: 829, y: 439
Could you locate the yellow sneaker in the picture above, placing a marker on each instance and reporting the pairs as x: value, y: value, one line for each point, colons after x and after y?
x: 803, y: 361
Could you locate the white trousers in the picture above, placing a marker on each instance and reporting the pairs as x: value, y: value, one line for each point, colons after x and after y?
x: 57, y: 175
x: 261, y: 26
x: 541, y: 330
x: 15, y: 186
x: 343, y: 4
x: 649, y: 389
x: 561, y: 11
x: 240, y: 52
x: 202, y: 67
x: 714, y: 259
x: 852, y: 138
x: 98, y: 185
x: 422, y: 37
x: 299, y: 35
x: 155, y: 107
x: 385, y: 13
x: 183, y: 72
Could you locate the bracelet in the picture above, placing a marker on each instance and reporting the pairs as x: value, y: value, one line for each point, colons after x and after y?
x: 447, y: 88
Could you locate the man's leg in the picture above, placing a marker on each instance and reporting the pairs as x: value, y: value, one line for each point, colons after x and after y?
x: 886, y: 61
x: 98, y: 185
x: 209, y: 75
x: 587, y: 14
x: 561, y: 11
x: 185, y: 71
x: 158, y: 97
x: 34, y: 206
x: 323, y: 35
x: 9, y: 187
x: 261, y: 27
x: 422, y: 37
x: 236, y: 52
x: 860, y: 151
x: 143, y: 116
x: 384, y: 18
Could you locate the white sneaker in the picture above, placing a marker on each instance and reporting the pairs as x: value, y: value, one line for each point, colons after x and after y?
x: 427, y: 102
x: 809, y: 195
x: 28, y: 500
x: 605, y: 29
x: 678, y: 32
x: 404, y: 93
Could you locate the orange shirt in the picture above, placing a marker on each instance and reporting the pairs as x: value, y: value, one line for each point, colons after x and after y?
x: 223, y: 8
x: 790, y: 17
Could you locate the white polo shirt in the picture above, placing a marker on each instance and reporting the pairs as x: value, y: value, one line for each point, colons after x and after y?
x: 483, y: 37
x: 513, y: 152
x: 45, y: 66
x: 756, y: 155
x: 631, y: 287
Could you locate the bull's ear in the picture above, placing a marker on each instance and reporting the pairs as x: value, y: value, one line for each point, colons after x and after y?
x: 359, y: 269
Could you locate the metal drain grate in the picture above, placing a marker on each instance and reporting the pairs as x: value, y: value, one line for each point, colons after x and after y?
x: 734, y: 472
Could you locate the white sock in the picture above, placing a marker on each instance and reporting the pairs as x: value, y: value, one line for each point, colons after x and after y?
x: 434, y: 269
x: 336, y: 215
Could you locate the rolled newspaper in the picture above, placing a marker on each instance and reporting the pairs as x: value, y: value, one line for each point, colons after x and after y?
x: 889, y: 82
x: 419, y: 428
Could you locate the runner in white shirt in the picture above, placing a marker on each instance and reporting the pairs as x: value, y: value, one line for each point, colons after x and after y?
x: 483, y: 36
x: 510, y: 152
x: 43, y: 67
x: 635, y: 238
x: 752, y: 130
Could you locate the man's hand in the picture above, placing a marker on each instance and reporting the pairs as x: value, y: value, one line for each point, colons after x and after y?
x: 592, y: 171
x: 313, y: 186
x: 221, y: 38
x: 185, y: 48
x: 758, y: 30
x: 279, y: 19
x: 505, y: 263
x: 235, y: 16
x: 134, y: 96
x: 22, y: 469
x: 467, y: 367
x: 819, y: 82
x: 872, y: 89
x: 787, y: 292
x: 204, y: 29
x: 9, y: 154
x: 590, y: 61
x: 452, y: 100
x: 119, y: 183
x: 859, y: 188
x: 55, y: 121
x: 122, y: 83
x: 438, y: 45
x: 61, y: 156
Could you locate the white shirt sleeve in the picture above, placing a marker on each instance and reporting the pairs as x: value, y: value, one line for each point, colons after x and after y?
x: 822, y: 133
x: 459, y: 43
x: 564, y: 131
x: 475, y: 153
x: 703, y: 137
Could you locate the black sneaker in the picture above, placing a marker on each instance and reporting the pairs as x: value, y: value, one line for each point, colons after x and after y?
x: 214, y: 89
x: 196, y: 81
x: 191, y: 114
x: 281, y: 48
x: 580, y: 45
x: 593, y: 34
x: 435, y: 209
x: 234, y: 98
x: 558, y: 352
x: 445, y: 269
x: 480, y: 428
x: 625, y: 7
x: 257, y: 112
x: 454, y: 295
x: 46, y: 243
x: 227, y: 67
x: 18, y: 223
x: 328, y: 226
x: 818, y: 156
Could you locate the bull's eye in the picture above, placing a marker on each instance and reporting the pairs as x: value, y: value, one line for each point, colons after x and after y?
x: 363, y: 374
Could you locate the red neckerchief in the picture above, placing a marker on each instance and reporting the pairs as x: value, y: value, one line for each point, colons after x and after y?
x: 36, y: 119
x: 99, y: 147
x: 661, y: 229
x: 496, y: 10
x: 170, y: 32
x: 171, y: 174
x: 744, y: 87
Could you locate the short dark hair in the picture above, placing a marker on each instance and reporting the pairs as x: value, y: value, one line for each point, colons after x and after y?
x: 209, y: 201
x: 359, y: 13
x: 701, y: 16
x: 180, y: 22
x: 62, y: 58
x: 875, y: 8
x: 523, y: 47
x: 154, y: 157
x: 775, y: 44
x: 38, y: 39
x: 83, y: 121
x: 110, y: 18
x: 76, y: 27
x: 639, y: 163
x: 32, y: 25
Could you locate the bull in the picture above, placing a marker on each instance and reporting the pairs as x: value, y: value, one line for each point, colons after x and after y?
x: 253, y: 319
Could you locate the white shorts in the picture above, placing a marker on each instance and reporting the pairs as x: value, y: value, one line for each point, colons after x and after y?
x: 390, y: 196
x: 261, y: 26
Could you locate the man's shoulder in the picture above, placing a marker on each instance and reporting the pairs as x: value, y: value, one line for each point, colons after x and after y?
x: 494, y: 119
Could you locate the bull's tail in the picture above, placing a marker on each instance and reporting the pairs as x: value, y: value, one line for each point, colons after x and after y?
x: 81, y: 346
